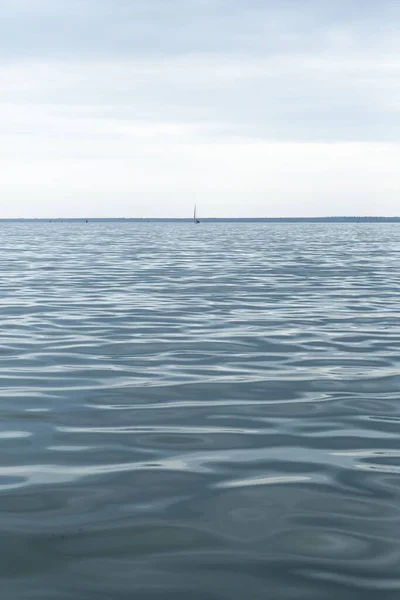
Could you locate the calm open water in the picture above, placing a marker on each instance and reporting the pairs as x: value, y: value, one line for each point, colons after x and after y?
x: 204, y: 412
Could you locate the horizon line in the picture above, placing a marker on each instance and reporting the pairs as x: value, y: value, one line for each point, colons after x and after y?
x: 189, y: 219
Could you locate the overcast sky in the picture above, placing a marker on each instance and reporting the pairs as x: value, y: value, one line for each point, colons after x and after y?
x: 128, y: 108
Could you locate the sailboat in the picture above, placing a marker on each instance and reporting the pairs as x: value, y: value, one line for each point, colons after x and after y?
x: 194, y: 216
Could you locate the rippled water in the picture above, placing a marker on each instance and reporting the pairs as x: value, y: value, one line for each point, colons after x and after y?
x: 199, y: 412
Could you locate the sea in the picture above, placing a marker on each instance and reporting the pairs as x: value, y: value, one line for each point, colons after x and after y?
x: 203, y: 412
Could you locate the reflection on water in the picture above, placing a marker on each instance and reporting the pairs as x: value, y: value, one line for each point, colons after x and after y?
x: 204, y: 413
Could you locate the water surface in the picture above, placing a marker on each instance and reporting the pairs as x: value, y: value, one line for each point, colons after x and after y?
x: 205, y: 412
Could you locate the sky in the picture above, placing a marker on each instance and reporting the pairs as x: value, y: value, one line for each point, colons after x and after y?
x: 248, y: 108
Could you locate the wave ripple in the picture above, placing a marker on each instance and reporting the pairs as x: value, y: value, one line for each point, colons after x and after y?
x: 203, y: 412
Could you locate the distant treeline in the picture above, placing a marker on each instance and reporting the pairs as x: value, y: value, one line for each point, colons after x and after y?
x: 222, y: 220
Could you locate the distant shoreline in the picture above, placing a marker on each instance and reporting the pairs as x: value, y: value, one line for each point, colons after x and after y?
x: 210, y: 220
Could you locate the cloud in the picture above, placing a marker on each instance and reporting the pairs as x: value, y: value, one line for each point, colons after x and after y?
x: 296, y: 101
x: 295, y: 98
x: 127, y: 28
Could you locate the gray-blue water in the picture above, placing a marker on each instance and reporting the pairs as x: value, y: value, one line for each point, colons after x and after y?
x: 205, y: 412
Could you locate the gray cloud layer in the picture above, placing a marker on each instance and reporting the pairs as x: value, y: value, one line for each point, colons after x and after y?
x: 101, y: 76
x: 133, y: 28
x: 293, y: 69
